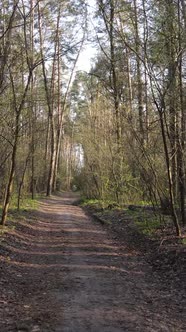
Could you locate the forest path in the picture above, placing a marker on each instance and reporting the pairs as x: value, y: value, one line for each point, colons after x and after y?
x: 67, y: 273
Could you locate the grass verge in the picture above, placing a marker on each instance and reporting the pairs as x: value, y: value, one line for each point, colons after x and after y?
x: 27, y: 205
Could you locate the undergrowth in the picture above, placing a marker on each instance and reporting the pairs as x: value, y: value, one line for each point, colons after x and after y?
x: 149, y: 223
x: 149, y: 226
x: 14, y: 214
x: 100, y: 204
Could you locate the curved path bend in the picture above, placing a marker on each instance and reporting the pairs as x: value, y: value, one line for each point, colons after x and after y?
x: 73, y: 276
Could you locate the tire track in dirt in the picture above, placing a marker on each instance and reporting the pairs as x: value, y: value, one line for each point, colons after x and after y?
x: 67, y: 274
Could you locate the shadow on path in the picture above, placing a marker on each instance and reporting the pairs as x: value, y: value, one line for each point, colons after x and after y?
x: 63, y: 272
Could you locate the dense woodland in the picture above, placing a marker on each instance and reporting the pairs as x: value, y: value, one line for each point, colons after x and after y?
x: 117, y: 132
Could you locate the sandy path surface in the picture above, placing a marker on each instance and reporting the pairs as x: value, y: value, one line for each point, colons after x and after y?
x: 69, y: 274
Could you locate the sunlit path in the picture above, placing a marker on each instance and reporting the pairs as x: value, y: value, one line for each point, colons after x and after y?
x: 72, y: 276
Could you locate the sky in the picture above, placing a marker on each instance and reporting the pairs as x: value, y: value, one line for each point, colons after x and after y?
x: 86, y: 58
x: 89, y: 51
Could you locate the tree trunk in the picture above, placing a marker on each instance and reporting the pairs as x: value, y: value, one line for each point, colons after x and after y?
x: 181, y: 129
x: 21, y: 184
x: 139, y: 78
x: 50, y: 111
x: 11, y: 176
x: 169, y: 174
x: 18, y: 110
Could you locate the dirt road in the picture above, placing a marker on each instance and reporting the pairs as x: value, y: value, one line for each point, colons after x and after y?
x: 64, y: 272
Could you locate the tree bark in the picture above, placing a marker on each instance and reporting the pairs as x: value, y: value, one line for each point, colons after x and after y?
x: 139, y: 76
x: 50, y: 112
x: 14, y: 150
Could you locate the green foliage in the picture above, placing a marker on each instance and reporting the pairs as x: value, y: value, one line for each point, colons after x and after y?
x: 92, y: 202
x: 183, y: 241
x: 149, y: 226
x: 108, y: 122
x: 99, y: 204
x: 3, y: 230
x: 147, y: 222
x: 27, y: 205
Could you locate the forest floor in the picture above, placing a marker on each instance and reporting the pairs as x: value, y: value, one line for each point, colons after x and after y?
x: 63, y: 271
